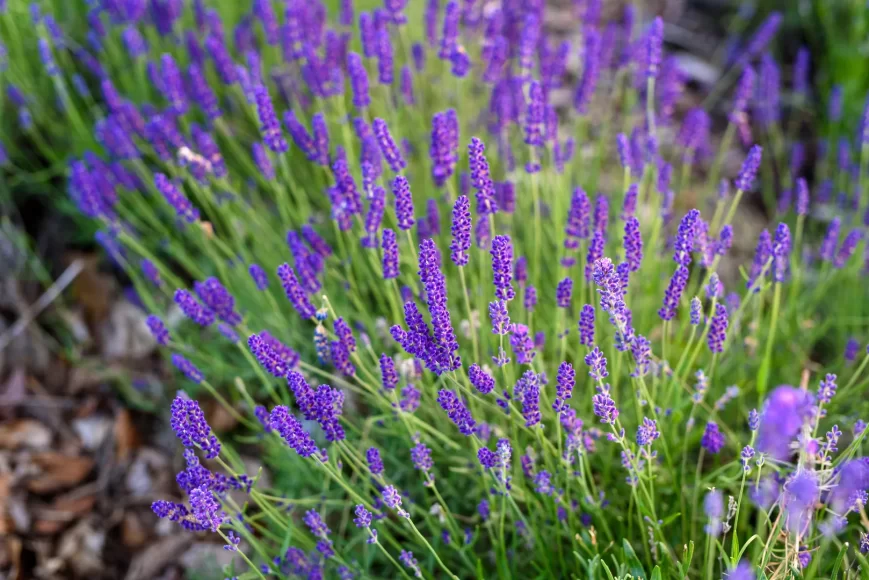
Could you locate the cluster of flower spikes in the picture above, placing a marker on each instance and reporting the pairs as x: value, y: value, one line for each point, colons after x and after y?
x: 512, y: 42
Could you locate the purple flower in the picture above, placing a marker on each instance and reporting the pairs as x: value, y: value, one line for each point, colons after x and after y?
x: 500, y: 317
x: 684, y: 243
x: 206, y: 509
x: 527, y: 390
x: 718, y: 329
x: 564, y: 383
x: 192, y: 309
x: 218, y: 299
x: 577, y: 226
x: 444, y: 357
x: 158, y: 329
x: 647, y: 432
x: 782, y: 419
x: 522, y: 344
x: 420, y: 455
x: 529, y: 301
x: 827, y: 389
x: 201, y: 92
x: 461, y: 231
x: 605, y: 408
x: 403, y: 203
x: 502, y: 267
x: 390, y: 255
x: 358, y: 81
x: 385, y: 60
x: 151, y: 273
x: 450, y: 31
x: 781, y: 249
x: 481, y: 380
x: 831, y: 239
x: 851, y: 348
x: 291, y: 431
x: 696, y: 311
x: 375, y: 463
x: 406, y: 557
x: 764, y: 34
x: 273, y: 355
x: 673, y: 294
x: 175, y: 198
x: 655, y: 41
x: 481, y: 178
x: 745, y: 180
x: 262, y: 161
x: 801, y: 494
x: 713, y: 438
x: 389, y: 377
x: 846, y: 250
x: 457, y: 411
x: 392, y: 498
x: 586, y: 325
x: 563, y: 293
x: 297, y: 296
x: 534, y: 115
x: 188, y: 423
x: 762, y: 256
x: 387, y: 146
x: 363, y: 517
x: 633, y: 244
x: 590, y: 70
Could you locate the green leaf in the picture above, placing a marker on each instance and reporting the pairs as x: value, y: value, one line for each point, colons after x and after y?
x: 687, y: 556
x: 670, y: 519
x: 838, y: 563
x: 656, y: 573
x: 607, y: 570
x: 632, y: 561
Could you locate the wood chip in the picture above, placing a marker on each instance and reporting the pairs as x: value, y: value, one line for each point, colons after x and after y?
x: 24, y: 434
x: 59, y: 472
x: 126, y: 437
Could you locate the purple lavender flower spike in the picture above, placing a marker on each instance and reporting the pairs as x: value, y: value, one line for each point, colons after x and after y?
x: 267, y: 356
x: 319, y: 153
x: 189, y: 424
x: 673, y: 294
x: 151, y: 273
x: 158, y: 330
x: 801, y: 494
x: 457, y: 411
x: 633, y: 244
x: 385, y: 59
x: 172, y: 85
x: 375, y: 463
x: 749, y: 169
x: 847, y: 249
x: 563, y: 293
x: 390, y: 255
x: 605, y: 408
x: 175, y: 198
x: 529, y: 300
x: 713, y: 439
x: 301, y: 137
x: 481, y: 178
x: 762, y: 255
x: 500, y: 317
x: 764, y: 34
x: 781, y: 249
x: 461, y: 231
x: 624, y: 150
x: 522, y: 344
x: 201, y: 92
x: 296, y: 294
x: 655, y: 41
x: 403, y: 203
x: 291, y: 431
x: 565, y: 381
x: 586, y: 325
x: 450, y: 31
x: 782, y: 419
x: 802, y: 204
x: 215, y: 46
x: 262, y: 161
x: 534, y: 115
x: 590, y: 71
x: 434, y: 283
x: 718, y: 329
x: 390, y: 150
x: 192, y: 309
x: 828, y: 246
x: 527, y: 389
x: 481, y: 380
x: 502, y: 267
x: 358, y: 81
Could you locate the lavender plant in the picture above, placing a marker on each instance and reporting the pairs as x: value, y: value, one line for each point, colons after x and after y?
x: 575, y: 391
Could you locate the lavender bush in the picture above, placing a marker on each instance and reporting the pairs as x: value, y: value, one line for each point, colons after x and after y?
x: 473, y: 333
